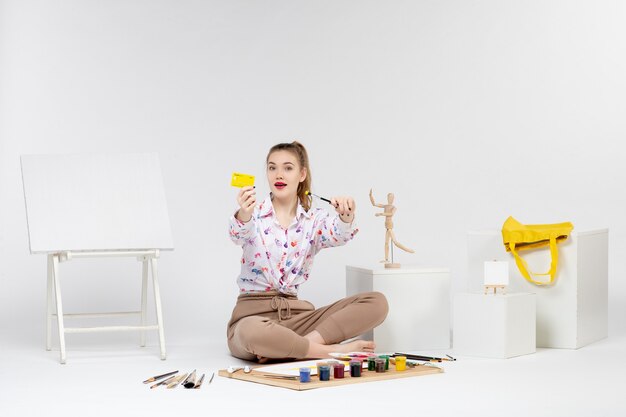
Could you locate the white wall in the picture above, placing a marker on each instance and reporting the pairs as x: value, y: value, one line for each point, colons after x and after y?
x: 467, y: 110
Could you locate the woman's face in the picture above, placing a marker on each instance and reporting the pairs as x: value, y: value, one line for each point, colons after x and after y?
x: 284, y: 174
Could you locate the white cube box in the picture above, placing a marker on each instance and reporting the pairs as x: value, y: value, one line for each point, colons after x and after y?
x: 419, y: 305
x: 572, y: 312
x: 493, y: 326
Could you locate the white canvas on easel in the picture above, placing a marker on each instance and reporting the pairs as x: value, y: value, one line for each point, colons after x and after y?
x: 496, y: 276
x: 95, y: 202
x: 97, y: 205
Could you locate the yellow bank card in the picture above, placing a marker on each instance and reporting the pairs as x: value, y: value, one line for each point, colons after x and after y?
x: 241, y: 180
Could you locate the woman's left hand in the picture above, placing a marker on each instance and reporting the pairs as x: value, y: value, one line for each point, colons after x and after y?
x: 345, y: 206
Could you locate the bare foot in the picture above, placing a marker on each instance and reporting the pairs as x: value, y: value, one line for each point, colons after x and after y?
x: 357, y: 346
x: 317, y: 350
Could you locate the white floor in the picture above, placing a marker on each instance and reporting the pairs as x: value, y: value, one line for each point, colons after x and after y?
x: 106, y: 380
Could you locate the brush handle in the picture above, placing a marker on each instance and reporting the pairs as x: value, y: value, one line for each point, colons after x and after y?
x: 177, y: 381
x: 199, y: 383
x: 418, y: 357
x: 326, y: 200
x: 164, y: 382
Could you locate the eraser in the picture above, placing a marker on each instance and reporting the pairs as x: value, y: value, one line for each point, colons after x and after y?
x: 241, y: 180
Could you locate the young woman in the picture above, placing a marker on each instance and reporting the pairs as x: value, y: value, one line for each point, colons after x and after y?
x: 280, y: 237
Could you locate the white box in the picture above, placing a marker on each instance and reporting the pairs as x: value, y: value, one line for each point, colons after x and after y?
x: 574, y: 311
x: 419, y: 306
x: 494, y: 326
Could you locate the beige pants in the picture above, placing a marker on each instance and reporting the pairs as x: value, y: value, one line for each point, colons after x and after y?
x: 273, y: 325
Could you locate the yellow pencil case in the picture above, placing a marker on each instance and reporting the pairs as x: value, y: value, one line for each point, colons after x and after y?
x: 241, y: 180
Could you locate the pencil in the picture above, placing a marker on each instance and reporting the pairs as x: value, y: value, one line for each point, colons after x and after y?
x: 155, y: 378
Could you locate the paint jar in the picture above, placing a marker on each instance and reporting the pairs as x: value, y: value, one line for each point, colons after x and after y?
x: 324, y: 373
x: 320, y: 364
x: 332, y: 365
x: 355, y: 368
x: 305, y: 374
x: 386, y: 358
x: 371, y: 363
x: 400, y: 363
x: 339, y: 370
x: 380, y: 365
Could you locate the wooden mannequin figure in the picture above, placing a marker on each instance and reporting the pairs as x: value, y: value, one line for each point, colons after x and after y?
x: 389, y: 211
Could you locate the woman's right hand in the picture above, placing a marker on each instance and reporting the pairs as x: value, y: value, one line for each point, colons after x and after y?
x: 246, y: 198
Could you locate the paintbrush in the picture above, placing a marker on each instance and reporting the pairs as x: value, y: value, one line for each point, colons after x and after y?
x: 177, y: 381
x: 165, y: 381
x: 190, y: 381
x: 424, y: 358
x: 199, y: 383
x: 323, y: 199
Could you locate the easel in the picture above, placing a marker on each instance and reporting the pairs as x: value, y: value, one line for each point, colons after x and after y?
x: 495, y: 288
x: 97, y: 206
x: 496, y: 277
x: 148, y: 258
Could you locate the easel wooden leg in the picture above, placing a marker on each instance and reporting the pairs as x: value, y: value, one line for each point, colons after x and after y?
x: 49, y: 308
x: 144, y: 298
x: 157, y: 303
x: 502, y: 288
x: 57, y: 292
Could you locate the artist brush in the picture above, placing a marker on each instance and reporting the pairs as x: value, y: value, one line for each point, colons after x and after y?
x: 418, y: 357
x: 211, y: 380
x: 425, y: 358
x: 165, y: 381
x: 323, y: 199
x: 155, y: 378
x: 199, y: 383
x: 177, y: 381
x: 190, y: 381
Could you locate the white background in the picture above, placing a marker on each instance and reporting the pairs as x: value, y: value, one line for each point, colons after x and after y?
x: 469, y: 111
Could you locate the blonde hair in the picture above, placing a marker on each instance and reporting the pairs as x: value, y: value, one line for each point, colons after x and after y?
x: 299, y: 151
